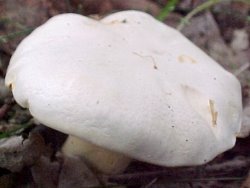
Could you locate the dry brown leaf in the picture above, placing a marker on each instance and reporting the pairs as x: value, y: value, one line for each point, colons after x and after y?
x: 75, y: 173
x: 45, y: 172
x: 16, y: 153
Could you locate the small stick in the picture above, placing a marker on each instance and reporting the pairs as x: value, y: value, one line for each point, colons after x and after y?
x: 242, y: 69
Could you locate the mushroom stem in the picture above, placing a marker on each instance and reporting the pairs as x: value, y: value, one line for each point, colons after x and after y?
x: 101, y: 159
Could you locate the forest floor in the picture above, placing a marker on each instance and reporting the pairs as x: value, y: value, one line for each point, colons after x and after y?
x: 30, y: 152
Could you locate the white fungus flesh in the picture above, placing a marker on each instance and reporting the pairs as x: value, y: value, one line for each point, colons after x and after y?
x: 130, y: 84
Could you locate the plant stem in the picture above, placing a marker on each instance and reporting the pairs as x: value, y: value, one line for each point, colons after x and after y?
x: 201, y: 8
x: 195, y: 11
x: 169, y: 7
x: 16, y: 131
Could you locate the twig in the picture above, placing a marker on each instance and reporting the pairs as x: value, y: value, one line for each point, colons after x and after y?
x: 222, y: 171
x: 241, y: 69
x: 151, y: 183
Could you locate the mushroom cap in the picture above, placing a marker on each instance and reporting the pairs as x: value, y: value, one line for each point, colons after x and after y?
x: 130, y: 84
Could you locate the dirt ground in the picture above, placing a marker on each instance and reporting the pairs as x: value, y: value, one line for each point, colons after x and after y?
x: 30, y: 152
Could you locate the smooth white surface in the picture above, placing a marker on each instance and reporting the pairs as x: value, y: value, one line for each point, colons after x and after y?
x: 128, y: 83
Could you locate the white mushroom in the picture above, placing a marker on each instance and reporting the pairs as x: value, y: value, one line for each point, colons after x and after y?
x: 129, y: 84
